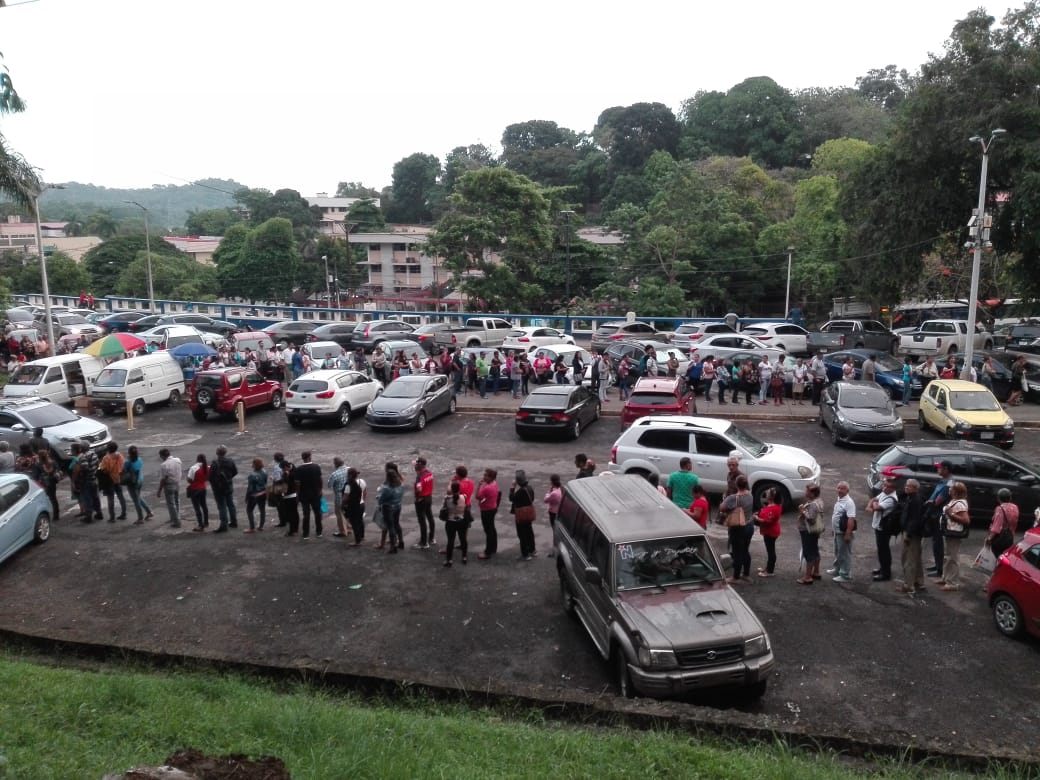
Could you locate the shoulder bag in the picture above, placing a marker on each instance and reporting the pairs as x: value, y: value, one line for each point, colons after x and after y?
x: 735, y: 517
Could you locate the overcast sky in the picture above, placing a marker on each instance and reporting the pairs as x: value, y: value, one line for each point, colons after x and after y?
x: 305, y: 94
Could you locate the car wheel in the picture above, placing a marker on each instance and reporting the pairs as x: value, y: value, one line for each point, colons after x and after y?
x: 473, y: 344
x: 835, y: 438
x: 199, y: 414
x: 596, y: 412
x: 621, y: 676
x: 1007, y: 615
x: 420, y: 421
x: 761, y: 490
x: 344, y: 416
x: 42, y: 529
x: 139, y: 406
x: 921, y: 423
x: 576, y: 430
x: 295, y: 422
x: 566, y: 597
x: 639, y: 473
x: 276, y: 399
x: 452, y: 405
x: 175, y: 397
x: 204, y: 396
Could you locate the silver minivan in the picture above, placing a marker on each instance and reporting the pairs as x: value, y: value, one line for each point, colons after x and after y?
x: 642, y: 578
x: 58, y: 379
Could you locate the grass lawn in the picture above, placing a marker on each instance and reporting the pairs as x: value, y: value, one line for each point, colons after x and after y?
x: 67, y: 724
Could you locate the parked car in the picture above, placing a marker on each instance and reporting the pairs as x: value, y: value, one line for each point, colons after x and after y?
x: 621, y: 329
x: 145, y: 323
x: 61, y: 426
x: 170, y: 336
x: 119, y: 322
x: 69, y: 325
x: 25, y: 514
x: 426, y: 335
x: 290, y: 331
x: 785, y: 336
x: 943, y: 337
x: 647, y: 586
x: 146, y: 379
x: 657, y: 396
x: 488, y: 332
x: 329, y: 394
x: 220, y: 390
x: 1024, y: 337
x: 19, y: 316
x: 888, y: 371
x: 656, y: 444
x: 982, y: 468
x: 567, y: 351
x: 1001, y: 373
x: 340, y: 332
x: 859, y: 412
x: 564, y: 410
x: 373, y: 333
x: 689, y: 334
x: 411, y: 402
x: 965, y: 410
x: 1014, y: 589
x: 527, y: 338
x: 852, y: 334
x: 59, y: 379
x: 725, y: 344
x: 200, y: 322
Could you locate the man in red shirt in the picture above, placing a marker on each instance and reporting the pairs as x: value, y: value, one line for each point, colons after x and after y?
x: 466, y: 486
x: 424, y: 503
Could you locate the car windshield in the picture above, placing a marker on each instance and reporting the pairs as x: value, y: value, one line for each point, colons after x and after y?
x: 887, y: 363
x: 309, y: 386
x: 404, y: 390
x: 27, y: 375
x: 111, y: 377
x: 48, y: 416
x: 656, y: 562
x: 652, y: 399
x: 863, y: 398
x: 747, y: 441
x: 973, y: 401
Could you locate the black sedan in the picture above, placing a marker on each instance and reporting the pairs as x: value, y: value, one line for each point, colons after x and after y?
x: 859, y: 412
x: 426, y: 335
x: 557, y: 409
x: 411, y: 401
x: 888, y: 371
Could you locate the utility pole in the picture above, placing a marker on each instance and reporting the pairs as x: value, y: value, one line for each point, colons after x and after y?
x: 47, y: 313
x: 567, y: 216
x: 148, y: 254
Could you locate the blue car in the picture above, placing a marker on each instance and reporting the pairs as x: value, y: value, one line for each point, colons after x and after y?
x: 888, y: 371
x: 25, y: 514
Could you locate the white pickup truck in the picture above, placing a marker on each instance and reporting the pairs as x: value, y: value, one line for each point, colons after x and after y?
x: 943, y: 337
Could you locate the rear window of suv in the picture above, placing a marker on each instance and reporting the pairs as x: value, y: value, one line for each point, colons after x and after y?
x: 309, y: 386
x: 209, y: 380
x: 653, y: 399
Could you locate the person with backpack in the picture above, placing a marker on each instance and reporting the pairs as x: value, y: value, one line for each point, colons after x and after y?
x: 221, y: 473
x: 886, y: 523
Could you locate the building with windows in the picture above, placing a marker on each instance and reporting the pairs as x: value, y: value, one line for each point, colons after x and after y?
x: 332, y: 221
x: 19, y: 236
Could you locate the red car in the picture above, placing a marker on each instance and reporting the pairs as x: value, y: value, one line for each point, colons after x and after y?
x: 219, y: 390
x: 1014, y: 588
x: 657, y: 395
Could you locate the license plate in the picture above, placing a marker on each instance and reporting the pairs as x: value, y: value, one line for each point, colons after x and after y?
x: 987, y: 435
x: 539, y: 419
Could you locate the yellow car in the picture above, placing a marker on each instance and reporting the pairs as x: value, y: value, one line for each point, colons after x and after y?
x: 965, y: 410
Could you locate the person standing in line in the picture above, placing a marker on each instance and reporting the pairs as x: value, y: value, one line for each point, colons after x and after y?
x: 843, y: 522
x: 423, y: 489
x: 600, y: 376
x: 488, y: 496
x: 516, y: 376
x: 956, y: 522
x: 87, y: 467
x: 776, y: 383
x: 308, y: 491
x: 171, y: 472
x: 768, y: 522
x: 883, y: 505
x: 256, y: 495
x: 134, y: 467
x: 222, y: 472
x: 869, y: 370
x: 389, y: 500
x: 48, y: 475
x: 624, y: 375
x: 798, y: 377
x: 733, y: 473
x: 581, y: 462
x: 936, y: 501
x: 521, y: 496
x: 283, y: 488
x: 466, y: 486
x: 482, y: 374
x: 740, y: 530
x: 810, y: 526
x: 455, y: 514
x: 112, y: 466
x: 699, y: 509
x: 337, y: 483
x: 912, y: 521
x: 707, y: 378
x: 818, y: 372
x: 552, y: 501
x: 681, y: 483
x: 908, y: 379
x: 1002, y: 527
x: 6, y: 458
x: 198, y: 477
x: 765, y: 377
x: 354, y: 496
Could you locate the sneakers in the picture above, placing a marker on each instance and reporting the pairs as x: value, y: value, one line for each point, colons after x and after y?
x: 420, y: 546
x: 832, y: 571
x: 840, y: 578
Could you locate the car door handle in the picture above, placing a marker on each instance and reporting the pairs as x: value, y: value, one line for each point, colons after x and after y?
x: 653, y: 457
x: 702, y: 463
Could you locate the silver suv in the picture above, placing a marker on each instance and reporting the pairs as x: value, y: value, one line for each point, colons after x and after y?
x: 656, y: 444
x: 61, y: 427
x: 643, y: 580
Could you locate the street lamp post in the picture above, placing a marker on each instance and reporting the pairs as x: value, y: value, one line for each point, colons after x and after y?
x: 980, y: 234
x: 328, y: 282
x: 567, y: 216
x: 787, y: 298
x: 148, y: 254
x: 43, y: 262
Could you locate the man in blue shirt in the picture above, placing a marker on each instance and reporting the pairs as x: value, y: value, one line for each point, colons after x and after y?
x: 940, y: 495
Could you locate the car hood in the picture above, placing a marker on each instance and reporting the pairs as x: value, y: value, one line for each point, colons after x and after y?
x: 681, y: 618
x: 995, y: 418
x: 868, y: 416
x: 783, y: 457
x: 83, y: 428
x: 384, y: 404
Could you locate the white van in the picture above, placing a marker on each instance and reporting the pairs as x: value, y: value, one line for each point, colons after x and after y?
x: 150, y: 379
x: 58, y: 379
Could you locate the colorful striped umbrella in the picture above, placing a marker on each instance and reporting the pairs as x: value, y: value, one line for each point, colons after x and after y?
x: 116, y: 344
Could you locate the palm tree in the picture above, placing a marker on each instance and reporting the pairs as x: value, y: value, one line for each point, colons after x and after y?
x: 18, y: 179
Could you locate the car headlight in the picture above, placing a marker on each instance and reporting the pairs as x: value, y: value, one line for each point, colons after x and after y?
x: 964, y: 426
x: 411, y: 409
x: 756, y: 646
x: 1009, y: 425
x: 840, y: 417
x: 1033, y: 387
x: 656, y: 659
x: 897, y: 383
x: 804, y: 472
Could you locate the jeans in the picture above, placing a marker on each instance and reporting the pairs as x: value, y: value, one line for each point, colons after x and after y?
x: 256, y: 502
x: 913, y: 571
x: 770, y: 543
x: 487, y: 521
x: 173, y: 504
x: 456, y: 528
x: 763, y: 390
x: 884, y: 553
x: 937, y: 552
x: 138, y: 501
x: 525, y: 533
x: 226, y: 509
x: 907, y: 391
x: 516, y: 388
x: 311, y: 504
x: 110, y: 496
x: 424, y: 513
x: 198, y: 503
x: 843, y: 555
x: 706, y: 384
x: 392, y: 520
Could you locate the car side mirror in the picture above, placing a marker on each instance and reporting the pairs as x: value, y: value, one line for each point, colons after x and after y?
x: 592, y: 576
x: 831, y: 402
x: 727, y: 561
x: 18, y: 427
x: 1027, y: 479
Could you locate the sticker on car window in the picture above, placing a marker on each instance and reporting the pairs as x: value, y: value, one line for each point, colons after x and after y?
x: 626, y: 552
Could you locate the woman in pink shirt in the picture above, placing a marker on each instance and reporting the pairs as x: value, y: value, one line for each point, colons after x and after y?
x: 488, y: 496
x: 1002, y: 527
x: 552, y: 505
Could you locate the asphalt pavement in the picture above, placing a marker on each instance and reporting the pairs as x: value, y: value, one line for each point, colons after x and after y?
x: 858, y: 663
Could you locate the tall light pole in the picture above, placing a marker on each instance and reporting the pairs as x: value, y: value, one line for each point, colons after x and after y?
x: 43, y: 262
x: 787, y: 298
x: 148, y: 253
x: 567, y: 216
x: 980, y: 232
x: 328, y: 282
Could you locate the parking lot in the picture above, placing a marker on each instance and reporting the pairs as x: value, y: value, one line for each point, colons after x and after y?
x: 855, y: 661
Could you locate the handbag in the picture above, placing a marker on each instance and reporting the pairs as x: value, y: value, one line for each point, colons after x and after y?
x: 951, y: 529
x: 735, y: 517
x: 985, y: 561
x: 324, y: 506
x: 525, y: 514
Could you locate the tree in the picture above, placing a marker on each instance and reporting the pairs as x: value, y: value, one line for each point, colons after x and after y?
x: 178, y: 277
x: 885, y: 87
x: 366, y: 216
x: 64, y: 275
x: 414, y: 182
x: 630, y: 134
x: 18, y: 179
x: 102, y: 224
x: 839, y: 113
x: 497, y: 229
x: 270, y: 262
x: 227, y: 257
x: 462, y: 160
x: 105, y: 262
x: 541, y: 150
x: 355, y: 189
x: 211, y: 222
